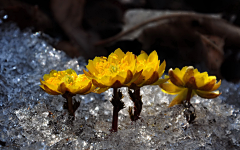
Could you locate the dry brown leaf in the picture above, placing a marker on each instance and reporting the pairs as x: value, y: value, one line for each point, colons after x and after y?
x: 69, y: 16
x: 214, y: 54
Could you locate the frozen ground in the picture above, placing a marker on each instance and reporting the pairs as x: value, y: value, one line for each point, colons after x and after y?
x: 31, y: 119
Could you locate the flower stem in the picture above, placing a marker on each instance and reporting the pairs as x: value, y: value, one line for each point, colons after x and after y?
x: 189, y: 93
x: 117, y: 106
x: 137, y: 100
x: 68, y: 96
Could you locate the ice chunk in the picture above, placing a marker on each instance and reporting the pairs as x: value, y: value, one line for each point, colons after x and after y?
x: 32, y: 119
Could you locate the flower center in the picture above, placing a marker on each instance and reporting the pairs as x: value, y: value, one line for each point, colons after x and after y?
x: 113, y: 68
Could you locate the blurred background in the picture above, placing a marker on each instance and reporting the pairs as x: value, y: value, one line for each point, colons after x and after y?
x: 201, y: 33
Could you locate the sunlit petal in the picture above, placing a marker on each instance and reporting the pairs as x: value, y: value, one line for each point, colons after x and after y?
x: 160, y: 81
x: 170, y: 88
x: 207, y: 95
x: 179, y: 98
x: 189, y: 73
x: 174, y: 77
x: 216, y: 86
x: 208, y: 86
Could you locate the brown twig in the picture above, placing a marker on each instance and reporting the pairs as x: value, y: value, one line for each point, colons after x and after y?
x: 197, y: 22
x: 211, y: 43
x: 171, y: 16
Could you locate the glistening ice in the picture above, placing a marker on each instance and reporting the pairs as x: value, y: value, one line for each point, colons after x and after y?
x: 31, y: 119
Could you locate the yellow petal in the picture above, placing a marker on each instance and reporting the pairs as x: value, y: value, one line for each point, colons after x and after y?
x: 119, y: 53
x: 91, y: 67
x: 208, y: 86
x: 203, y: 78
x: 216, y: 86
x: 153, y: 57
x: 180, y: 73
x: 207, y: 95
x: 161, y: 68
x: 143, y: 56
x: 84, y: 90
x: 129, y: 77
x: 188, y: 74
x: 152, y: 79
x: 166, y: 76
x: 139, y: 80
x: 136, y: 76
x: 42, y: 86
x: 116, y: 84
x: 100, y: 90
x: 147, y: 73
x: 97, y: 84
x: 179, y: 98
x: 174, y: 77
x: 62, y: 88
x: 119, y: 78
x: 50, y: 86
x: 170, y: 88
x: 51, y: 92
x: 87, y: 73
x: 191, y: 83
x: 71, y: 72
x: 160, y: 81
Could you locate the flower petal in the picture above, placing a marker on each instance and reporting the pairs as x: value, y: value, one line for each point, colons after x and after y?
x: 160, y: 81
x: 174, y: 78
x: 191, y: 83
x: 170, y: 88
x: 50, y: 86
x: 116, y: 84
x: 136, y: 76
x: 203, y: 78
x: 51, y: 92
x: 216, y: 86
x: 143, y: 56
x: 100, y: 90
x: 62, y: 88
x: 129, y: 77
x: 139, y: 80
x: 88, y: 74
x: 152, y: 79
x: 91, y: 67
x: 208, y: 86
x: 153, y: 57
x: 207, y: 95
x: 84, y: 90
x: 161, y: 68
x: 179, y: 98
x: 119, y: 53
x: 97, y: 84
x: 188, y: 74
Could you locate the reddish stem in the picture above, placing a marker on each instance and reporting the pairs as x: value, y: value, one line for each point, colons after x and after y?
x: 137, y: 104
x: 117, y: 106
x: 137, y: 100
x: 115, y: 119
x: 189, y: 93
x: 68, y: 96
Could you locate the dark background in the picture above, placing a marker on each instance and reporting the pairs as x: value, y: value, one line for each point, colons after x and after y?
x: 79, y: 24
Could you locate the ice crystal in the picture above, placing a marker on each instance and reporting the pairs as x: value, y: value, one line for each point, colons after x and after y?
x: 32, y: 119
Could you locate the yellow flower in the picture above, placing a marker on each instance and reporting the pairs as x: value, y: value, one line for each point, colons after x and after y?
x: 58, y: 82
x: 190, y: 81
x: 151, y: 71
x: 115, y: 71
